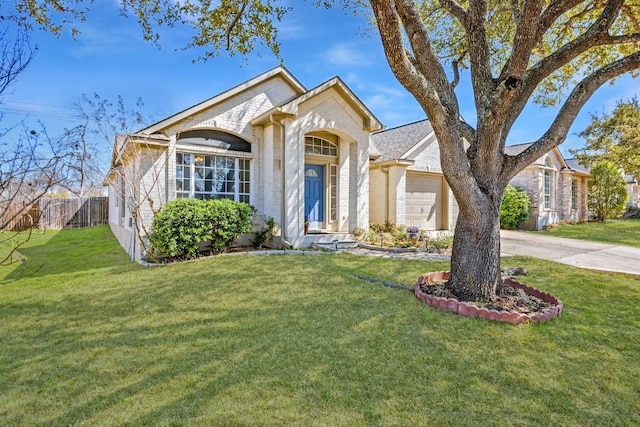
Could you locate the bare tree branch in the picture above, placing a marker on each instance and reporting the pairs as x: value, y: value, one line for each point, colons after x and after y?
x: 15, y: 57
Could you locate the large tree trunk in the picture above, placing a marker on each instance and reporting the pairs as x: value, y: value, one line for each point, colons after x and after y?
x: 475, y: 260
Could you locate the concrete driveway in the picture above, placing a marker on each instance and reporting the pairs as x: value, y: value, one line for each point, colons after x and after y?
x: 578, y: 253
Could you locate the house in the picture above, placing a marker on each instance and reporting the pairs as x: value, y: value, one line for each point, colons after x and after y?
x: 406, y: 182
x: 407, y: 185
x: 557, y: 189
x: 316, y: 156
x: 295, y: 154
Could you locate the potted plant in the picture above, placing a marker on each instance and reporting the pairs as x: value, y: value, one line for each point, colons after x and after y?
x: 306, y: 225
x: 412, y: 232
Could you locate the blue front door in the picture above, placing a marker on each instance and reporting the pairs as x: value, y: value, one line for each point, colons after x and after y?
x: 314, y: 195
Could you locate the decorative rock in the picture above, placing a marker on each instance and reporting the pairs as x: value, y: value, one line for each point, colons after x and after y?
x: 514, y: 271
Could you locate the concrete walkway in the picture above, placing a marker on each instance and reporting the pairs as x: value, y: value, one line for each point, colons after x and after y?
x: 578, y: 253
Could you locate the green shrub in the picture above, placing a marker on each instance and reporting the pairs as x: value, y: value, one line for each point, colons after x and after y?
x: 182, y: 225
x: 607, y: 192
x: 265, y: 234
x: 387, y: 227
x: 632, y: 212
x: 441, y: 243
x: 515, y: 207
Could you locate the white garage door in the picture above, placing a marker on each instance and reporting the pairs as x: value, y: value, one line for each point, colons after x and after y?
x: 424, y: 201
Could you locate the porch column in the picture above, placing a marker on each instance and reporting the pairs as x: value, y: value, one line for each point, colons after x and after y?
x: 171, y: 169
x: 345, y: 184
x: 584, y: 206
x: 293, y: 182
x: 397, y: 194
x: 446, y: 205
x: 565, y: 194
x: 268, y: 205
x: 361, y: 170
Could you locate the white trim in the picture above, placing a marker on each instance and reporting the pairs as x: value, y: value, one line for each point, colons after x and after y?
x: 176, y: 118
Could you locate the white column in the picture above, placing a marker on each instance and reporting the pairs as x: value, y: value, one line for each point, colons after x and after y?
x: 344, y: 186
x: 293, y: 185
x: 268, y: 206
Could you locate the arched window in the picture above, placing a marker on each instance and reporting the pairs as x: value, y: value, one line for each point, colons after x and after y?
x: 548, y: 162
x: 320, y: 146
x: 202, y: 174
x: 214, y: 138
x: 311, y: 173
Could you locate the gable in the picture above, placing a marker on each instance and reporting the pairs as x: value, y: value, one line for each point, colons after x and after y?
x: 402, y: 142
x: 341, y: 95
x: 238, y: 105
x: 329, y: 110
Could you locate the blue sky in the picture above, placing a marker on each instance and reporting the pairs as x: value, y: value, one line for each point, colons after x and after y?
x: 110, y: 58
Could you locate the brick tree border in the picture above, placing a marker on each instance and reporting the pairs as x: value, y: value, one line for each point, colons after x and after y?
x: 471, y: 310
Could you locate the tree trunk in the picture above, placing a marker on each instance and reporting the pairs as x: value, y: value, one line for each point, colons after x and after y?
x: 475, y: 259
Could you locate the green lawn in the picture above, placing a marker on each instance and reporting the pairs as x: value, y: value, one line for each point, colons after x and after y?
x: 616, y: 231
x: 88, y: 338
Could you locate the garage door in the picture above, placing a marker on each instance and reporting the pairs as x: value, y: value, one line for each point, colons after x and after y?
x: 424, y: 201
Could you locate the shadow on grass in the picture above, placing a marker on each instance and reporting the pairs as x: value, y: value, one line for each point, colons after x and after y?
x: 298, y: 340
x: 54, y: 252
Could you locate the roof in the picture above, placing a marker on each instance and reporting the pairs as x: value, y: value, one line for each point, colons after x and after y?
x: 575, y: 165
x: 275, y: 72
x: 514, y: 150
x: 395, y: 143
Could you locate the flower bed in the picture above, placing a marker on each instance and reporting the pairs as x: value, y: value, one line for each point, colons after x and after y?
x: 469, y: 309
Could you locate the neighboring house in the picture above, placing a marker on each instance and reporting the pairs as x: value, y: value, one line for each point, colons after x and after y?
x: 406, y: 181
x: 557, y: 189
x: 407, y: 185
x: 633, y: 190
x: 291, y: 152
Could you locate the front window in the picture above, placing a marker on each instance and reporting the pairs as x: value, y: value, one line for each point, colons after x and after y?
x: 547, y: 189
x: 212, y: 177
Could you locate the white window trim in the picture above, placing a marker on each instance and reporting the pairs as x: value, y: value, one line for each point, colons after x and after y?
x: 235, y: 155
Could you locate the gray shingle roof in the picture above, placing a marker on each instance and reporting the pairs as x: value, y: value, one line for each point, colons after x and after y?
x: 392, y: 144
x: 576, y: 166
x: 514, y: 150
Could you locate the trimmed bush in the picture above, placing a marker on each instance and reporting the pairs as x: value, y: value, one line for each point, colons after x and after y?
x: 607, y: 193
x: 515, y: 207
x: 632, y: 213
x: 183, y: 224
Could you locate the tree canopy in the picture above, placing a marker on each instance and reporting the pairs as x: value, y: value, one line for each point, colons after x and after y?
x: 614, y: 137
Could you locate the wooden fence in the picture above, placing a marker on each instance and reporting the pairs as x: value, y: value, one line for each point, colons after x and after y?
x: 59, y: 213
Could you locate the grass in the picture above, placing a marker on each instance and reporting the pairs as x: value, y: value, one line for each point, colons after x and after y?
x: 617, y: 231
x: 88, y: 338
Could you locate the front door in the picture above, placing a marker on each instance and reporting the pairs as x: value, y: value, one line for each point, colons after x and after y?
x: 314, y: 195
